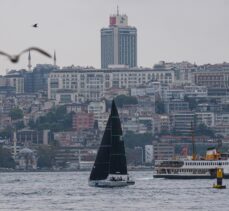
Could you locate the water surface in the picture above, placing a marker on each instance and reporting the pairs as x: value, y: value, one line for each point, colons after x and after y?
x: 70, y: 191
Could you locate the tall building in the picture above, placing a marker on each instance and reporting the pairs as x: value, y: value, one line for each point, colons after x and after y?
x: 118, y: 43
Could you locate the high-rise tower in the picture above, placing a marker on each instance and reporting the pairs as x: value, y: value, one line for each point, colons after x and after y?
x: 119, y: 42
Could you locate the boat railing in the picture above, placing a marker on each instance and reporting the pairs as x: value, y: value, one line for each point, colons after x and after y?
x: 169, y: 164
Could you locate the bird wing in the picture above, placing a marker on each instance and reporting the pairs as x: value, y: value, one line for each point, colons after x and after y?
x: 4, y: 54
x: 36, y: 49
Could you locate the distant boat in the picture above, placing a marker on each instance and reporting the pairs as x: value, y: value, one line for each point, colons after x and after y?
x: 110, y: 168
x: 204, y: 168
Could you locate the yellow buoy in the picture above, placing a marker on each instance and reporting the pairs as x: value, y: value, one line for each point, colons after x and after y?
x: 219, y: 177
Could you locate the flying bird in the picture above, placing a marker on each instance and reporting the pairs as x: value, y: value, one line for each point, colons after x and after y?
x: 35, y: 25
x: 15, y: 58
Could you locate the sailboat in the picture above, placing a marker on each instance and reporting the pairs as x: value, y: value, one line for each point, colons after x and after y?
x: 110, y: 168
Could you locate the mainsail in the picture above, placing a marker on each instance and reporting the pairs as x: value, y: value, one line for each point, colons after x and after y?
x: 117, y: 157
x: 111, y: 157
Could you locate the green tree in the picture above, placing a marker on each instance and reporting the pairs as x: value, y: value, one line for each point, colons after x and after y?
x: 19, y: 125
x: 134, y: 140
x: 159, y: 107
x: 6, y: 160
x: 6, y: 133
x: 16, y: 113
x: 46, y: 156
x: 192, y: 102
x: 56, y: 120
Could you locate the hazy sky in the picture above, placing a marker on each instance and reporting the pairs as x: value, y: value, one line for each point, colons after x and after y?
x: 170, y: 30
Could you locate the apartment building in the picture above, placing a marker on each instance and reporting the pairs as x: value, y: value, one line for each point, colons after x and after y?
x: 92, y: 83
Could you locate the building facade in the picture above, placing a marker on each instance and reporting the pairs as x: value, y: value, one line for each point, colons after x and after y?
x: 93, y: 83
x: 82, y: 121
x: 212, y: 79
x: 163, y: 151
x: 118, y: 43
x: 182, y: 122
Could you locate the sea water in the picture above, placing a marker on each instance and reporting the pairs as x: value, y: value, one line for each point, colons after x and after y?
x: 70, y: 191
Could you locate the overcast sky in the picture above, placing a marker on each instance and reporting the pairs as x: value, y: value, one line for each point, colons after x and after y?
x: 170, y: 30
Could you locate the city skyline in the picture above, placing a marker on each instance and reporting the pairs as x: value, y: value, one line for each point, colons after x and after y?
x: 173, y: 31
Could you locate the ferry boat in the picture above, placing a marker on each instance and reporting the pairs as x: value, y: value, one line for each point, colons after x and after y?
x: 193, y: 168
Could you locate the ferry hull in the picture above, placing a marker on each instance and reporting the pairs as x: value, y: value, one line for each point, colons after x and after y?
x: 166, y: 176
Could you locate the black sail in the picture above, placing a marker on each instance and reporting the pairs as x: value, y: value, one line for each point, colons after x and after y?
x: 100, y: 168
x: 111, y: 157
x: 117, y: 157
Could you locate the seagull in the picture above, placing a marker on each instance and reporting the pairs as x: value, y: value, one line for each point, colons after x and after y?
x: 35, y: 25
x: 15, y: 58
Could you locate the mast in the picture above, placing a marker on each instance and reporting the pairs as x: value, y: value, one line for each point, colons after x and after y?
x: 193, y: 142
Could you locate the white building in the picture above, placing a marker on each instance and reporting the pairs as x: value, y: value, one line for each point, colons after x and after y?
x: 172, y: 93
x: 148, y: 153
x: 207, y: 118
x: 97, y: 108
x: 196, y: 91
x: 150, y: 88
x: 222, y: 118
x: 13, y: 80
x: 92, y: 83
x: 102, y: 119
x: 68, y: 96
x: 183, y: 71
